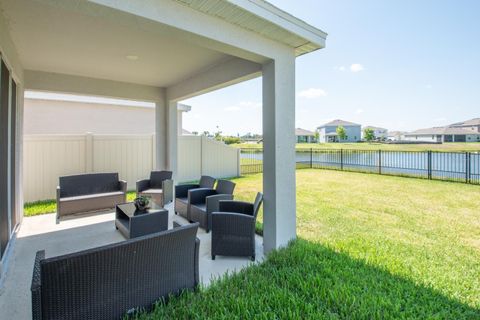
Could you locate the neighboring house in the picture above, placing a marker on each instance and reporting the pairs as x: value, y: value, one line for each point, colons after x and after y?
x: 472, y: 124
x: 466, y: 131
x: 443, y: 134
x: 304, y: 136
x: 396, y: 135
x: 379, y: 133
x: 65, y: 114
x: 328, y: 131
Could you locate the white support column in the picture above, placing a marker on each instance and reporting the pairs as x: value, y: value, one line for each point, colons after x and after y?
x: 160, y: 135
x: 172, y: 137
x: 279, y: 152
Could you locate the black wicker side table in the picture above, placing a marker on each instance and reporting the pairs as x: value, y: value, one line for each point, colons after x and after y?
x: 133, y: 223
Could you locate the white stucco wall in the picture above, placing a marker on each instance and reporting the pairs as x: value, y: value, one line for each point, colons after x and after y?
x: 65, y: 117
x: 68, y: 117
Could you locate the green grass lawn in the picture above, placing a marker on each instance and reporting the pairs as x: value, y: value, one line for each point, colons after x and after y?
x: 370, y: 247
x: 459, y: 146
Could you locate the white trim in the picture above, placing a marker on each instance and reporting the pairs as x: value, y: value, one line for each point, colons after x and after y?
x: 38, y: 95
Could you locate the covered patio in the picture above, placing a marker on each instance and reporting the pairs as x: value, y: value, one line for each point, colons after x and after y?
x: 161, y: 51
x: 82, y: 233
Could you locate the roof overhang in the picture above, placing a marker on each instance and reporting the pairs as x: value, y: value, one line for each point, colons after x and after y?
x: 186, y: 47
x: 265, y: 19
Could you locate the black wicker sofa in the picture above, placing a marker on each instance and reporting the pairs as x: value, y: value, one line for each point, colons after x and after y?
x: 114, y: 280
x: 89, y: 192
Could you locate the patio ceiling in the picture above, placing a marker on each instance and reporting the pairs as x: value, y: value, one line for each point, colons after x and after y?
x: 60, y: 39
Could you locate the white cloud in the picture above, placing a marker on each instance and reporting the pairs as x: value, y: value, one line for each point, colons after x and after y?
x: 359, y: 110
x: 428, y: 86
x: 232, y: 108
x: 312, y: 93
x: 356, y: 67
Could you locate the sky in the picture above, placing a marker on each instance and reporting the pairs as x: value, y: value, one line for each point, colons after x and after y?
x: 402, y: 65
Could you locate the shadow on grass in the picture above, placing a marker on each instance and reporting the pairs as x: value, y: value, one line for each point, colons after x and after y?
x: 308, y: 280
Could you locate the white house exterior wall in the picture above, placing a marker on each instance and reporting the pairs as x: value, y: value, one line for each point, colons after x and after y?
x: 354, y: 133
x: 433, y: 138
x: 422, y: 137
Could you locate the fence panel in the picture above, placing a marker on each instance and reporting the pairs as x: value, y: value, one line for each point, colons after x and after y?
x: 189, y: 158
x: 130, y: 156
x: 475, y: 168
x: 47, y: 157
x: 218, y: 159
x: 251, y: 160
x: 449, y: 166
x: 408, y: 163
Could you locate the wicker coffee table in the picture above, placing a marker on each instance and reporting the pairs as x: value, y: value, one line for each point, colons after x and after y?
x: 133, y: 223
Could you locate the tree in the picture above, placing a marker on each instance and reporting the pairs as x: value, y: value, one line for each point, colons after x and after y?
x: 342, y: 133
x: 218, y: 134
x: 317, y: 136
x: 369, y: 134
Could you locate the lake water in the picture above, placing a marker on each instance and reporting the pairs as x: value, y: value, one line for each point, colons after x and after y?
x: 437, y: 165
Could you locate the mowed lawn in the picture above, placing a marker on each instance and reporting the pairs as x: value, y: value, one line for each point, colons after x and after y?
x: 370, y: 247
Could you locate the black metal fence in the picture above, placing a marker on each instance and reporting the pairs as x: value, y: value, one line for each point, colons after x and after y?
x: 451, y: 166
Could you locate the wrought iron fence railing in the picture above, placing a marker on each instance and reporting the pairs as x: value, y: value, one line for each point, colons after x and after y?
x: 451, y: 166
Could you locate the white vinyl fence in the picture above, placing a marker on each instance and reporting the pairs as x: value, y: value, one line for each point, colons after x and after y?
x: 46, y: 157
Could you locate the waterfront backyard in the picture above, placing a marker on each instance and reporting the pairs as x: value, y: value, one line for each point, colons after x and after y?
x: 370, y: 247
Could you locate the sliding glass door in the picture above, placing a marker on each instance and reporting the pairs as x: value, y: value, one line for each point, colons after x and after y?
x: 4, y: 158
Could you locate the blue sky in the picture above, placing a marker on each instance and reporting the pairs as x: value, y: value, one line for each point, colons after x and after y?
x: 402, y: 65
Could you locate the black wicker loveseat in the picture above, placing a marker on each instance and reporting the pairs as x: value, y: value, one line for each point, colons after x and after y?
x: 89, y: 192
x: 111, y: 281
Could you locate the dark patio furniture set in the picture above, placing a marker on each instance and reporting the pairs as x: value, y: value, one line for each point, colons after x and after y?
x: 111, y: 281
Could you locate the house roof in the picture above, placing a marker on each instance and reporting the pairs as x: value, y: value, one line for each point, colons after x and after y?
x: 439, y: 130
x: 303, y: 132
x: 266, y: 19
x: 375, y: 128
x: 339, y: 122
x: 471, y: 122
x: 394, y: 133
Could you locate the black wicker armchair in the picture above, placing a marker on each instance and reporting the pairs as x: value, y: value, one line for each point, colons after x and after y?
x: 114, y: 280
x: 181, y: 194
x: 202, y: 202
x: 159, y: 187
x: 233, y: 228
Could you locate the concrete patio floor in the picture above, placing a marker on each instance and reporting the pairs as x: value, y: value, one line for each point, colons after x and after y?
x: 80, y: 233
